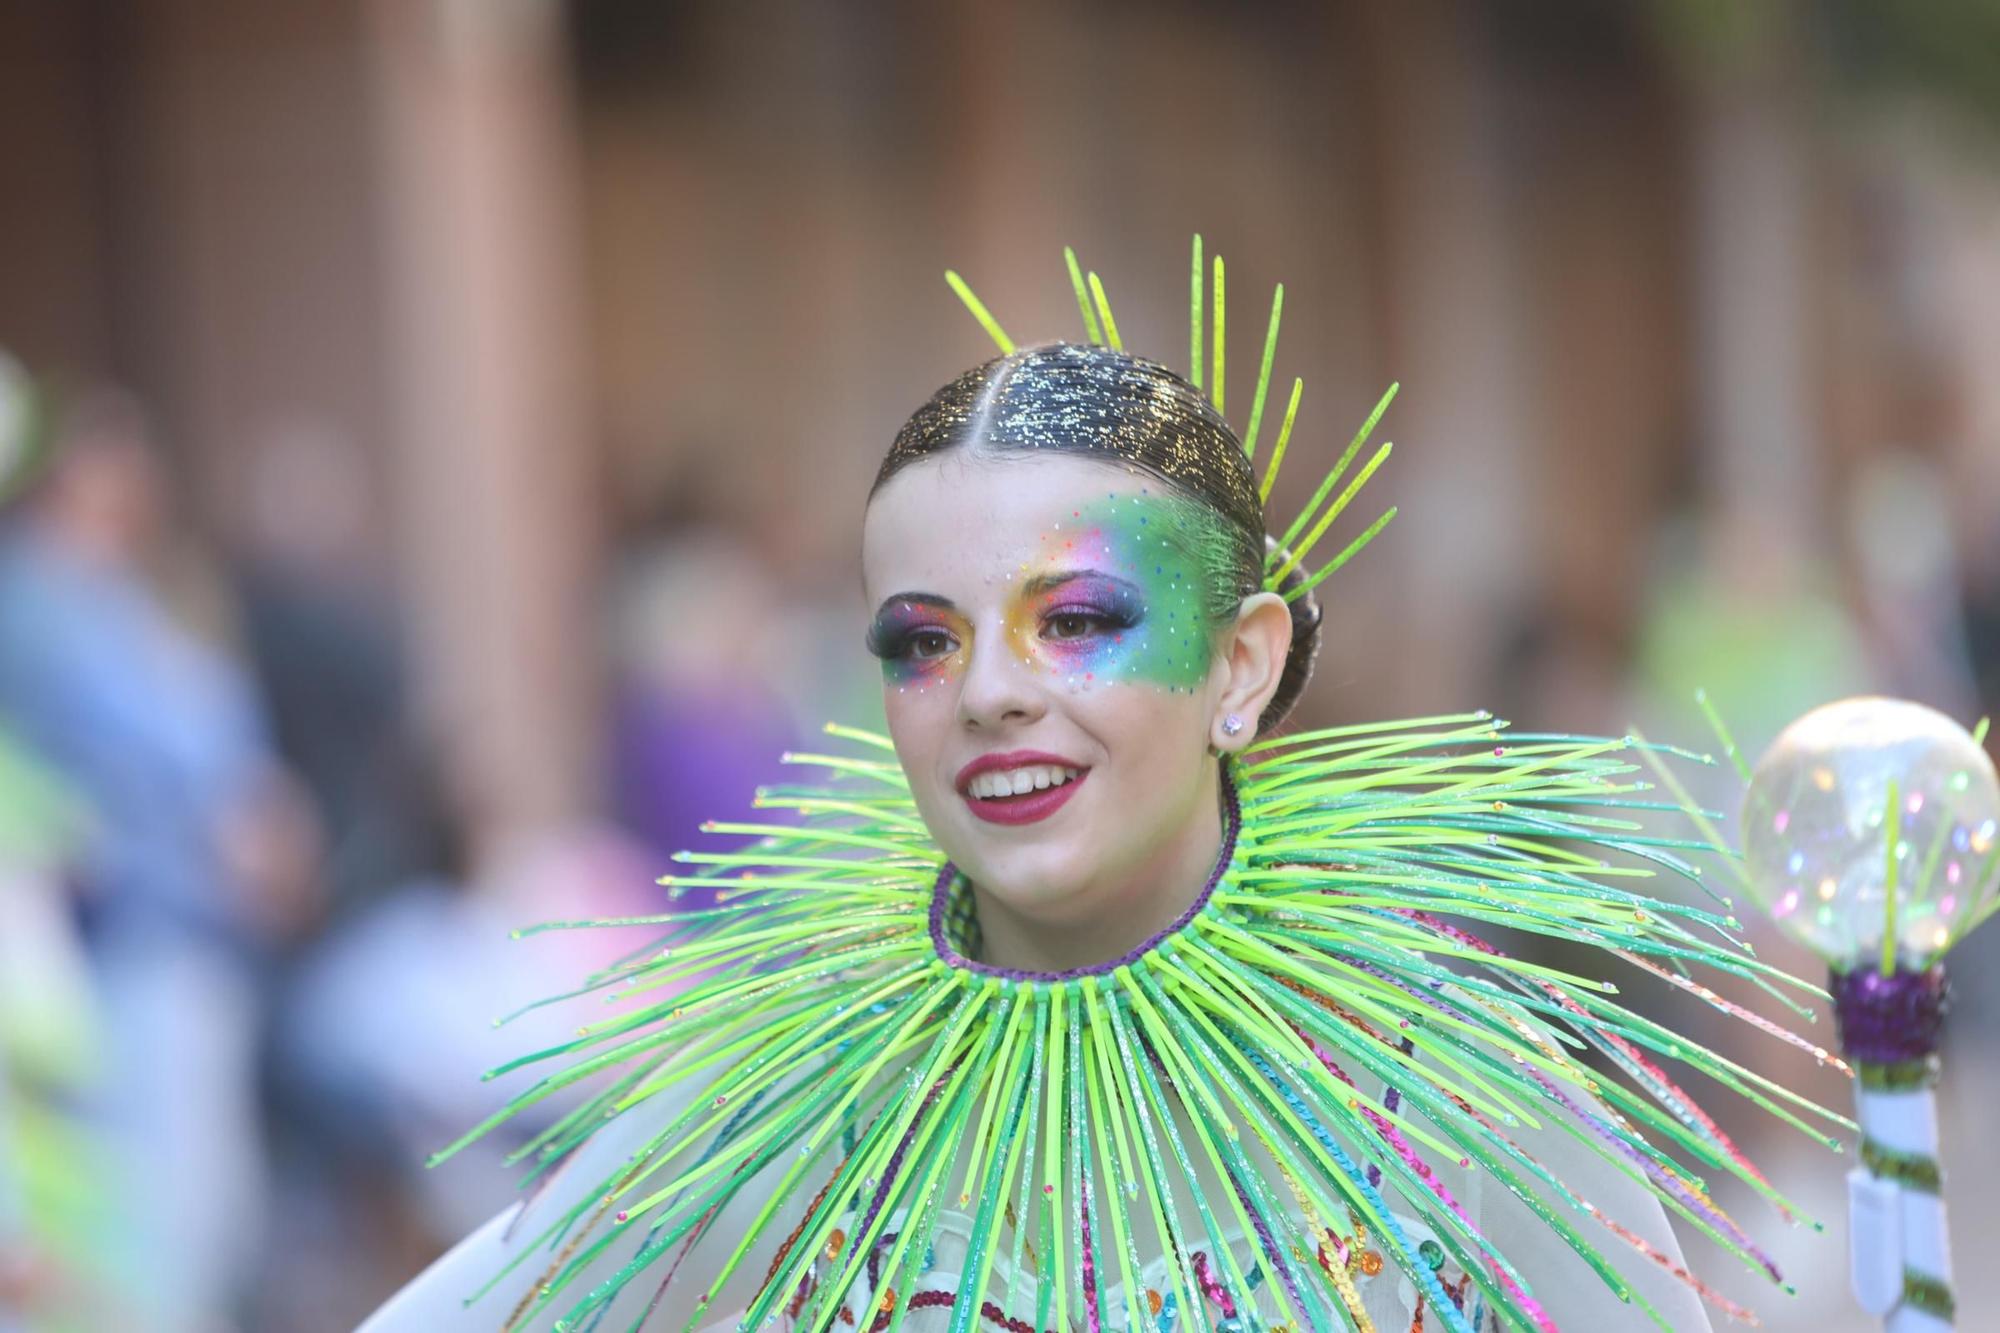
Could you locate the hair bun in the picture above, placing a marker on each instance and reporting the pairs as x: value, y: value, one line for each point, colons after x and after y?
x: 1300, y: 656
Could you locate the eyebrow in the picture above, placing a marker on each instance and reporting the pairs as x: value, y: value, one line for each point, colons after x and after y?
x: 937, y: 600
x: 1042, y: 583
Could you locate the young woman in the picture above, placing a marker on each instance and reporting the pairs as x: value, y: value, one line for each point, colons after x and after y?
x: 1101, y: 1004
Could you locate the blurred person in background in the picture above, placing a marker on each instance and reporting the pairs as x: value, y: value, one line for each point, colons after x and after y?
x: 693, y: 714
x: 320, y: 636
x: 319, y: 631
x: 1911, y: 588
x: 50, y: 1192
x: 1734, y: 609
x: 201, y: 855
x: 390, y: 1025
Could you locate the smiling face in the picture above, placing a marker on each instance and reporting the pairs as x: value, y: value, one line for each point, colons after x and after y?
x: 1046, y: 628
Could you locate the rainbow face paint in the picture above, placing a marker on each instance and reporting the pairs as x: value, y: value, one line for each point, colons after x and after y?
x: 1117, y: 591
x: 1120, y: 593
x: 921, y: 639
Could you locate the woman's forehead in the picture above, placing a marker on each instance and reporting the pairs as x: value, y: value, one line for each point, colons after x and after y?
x: 971, y: 514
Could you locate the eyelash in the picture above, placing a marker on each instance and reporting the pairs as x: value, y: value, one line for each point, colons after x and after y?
x: 1102, y: 620
x: 900, y: 644
x: 897, y: 645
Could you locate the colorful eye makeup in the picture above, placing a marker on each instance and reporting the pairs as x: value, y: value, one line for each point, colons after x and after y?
x: 1075, y: 621
x: 1115, y: 592
x: 1149, y: 547
x: 920, y: 638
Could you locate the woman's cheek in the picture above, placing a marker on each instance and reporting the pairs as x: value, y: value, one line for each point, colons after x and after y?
x: 919, y: 723
x: 1103, y: 657
x: 922, y: 675
x: 1099, y: 658
x: 1160, y: 657
x: 1166, y: 651
x: 919, y: 709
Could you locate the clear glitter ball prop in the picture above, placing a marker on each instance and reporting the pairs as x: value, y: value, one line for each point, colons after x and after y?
x: 1817, y: 830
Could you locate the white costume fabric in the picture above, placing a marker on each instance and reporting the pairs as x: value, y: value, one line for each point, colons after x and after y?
x: 1574, y: 1297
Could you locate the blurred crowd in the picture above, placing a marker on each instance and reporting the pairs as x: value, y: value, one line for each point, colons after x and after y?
x: 253, y: 937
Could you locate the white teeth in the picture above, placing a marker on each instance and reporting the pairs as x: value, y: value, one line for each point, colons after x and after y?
x: 1020, y: 781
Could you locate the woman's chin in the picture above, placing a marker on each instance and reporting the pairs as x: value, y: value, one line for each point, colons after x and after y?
x: 1038, y: 882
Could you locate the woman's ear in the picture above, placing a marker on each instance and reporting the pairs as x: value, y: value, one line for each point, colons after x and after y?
x: 1254, y: 662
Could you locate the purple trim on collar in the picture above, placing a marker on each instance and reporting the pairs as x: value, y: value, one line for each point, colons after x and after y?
x: 1232, y: 824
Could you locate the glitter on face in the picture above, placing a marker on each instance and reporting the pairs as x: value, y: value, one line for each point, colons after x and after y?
x: 1077, y: 622
x: 1116, y: 592
x: 921, y: 640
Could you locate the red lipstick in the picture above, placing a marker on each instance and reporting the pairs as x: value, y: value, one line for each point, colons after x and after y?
x: 1028, y: 807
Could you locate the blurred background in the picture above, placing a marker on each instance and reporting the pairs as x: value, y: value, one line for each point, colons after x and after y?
x: 443, y: 427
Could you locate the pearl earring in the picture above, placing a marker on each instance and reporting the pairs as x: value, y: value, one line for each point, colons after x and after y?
x: 1231, y: 725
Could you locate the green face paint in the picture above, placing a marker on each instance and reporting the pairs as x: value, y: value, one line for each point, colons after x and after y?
x: 1126, y: 589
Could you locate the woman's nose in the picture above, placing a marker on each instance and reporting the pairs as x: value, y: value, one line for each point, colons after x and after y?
x: 1000, y: 686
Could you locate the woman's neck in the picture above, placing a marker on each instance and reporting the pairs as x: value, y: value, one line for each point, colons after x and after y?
x: 1117, y: 917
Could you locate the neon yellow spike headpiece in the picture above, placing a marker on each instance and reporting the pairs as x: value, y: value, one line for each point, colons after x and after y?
x: 1296, y: 544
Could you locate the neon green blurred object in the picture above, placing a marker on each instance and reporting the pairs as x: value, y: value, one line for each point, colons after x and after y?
x: 24, y: 434
x: 51, y: 1195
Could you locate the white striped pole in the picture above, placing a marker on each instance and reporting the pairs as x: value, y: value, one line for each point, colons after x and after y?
x: 1898, y: 1244
x: 1899, y: 1251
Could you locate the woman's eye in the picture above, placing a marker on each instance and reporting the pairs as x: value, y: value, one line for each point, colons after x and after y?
x: 929, y: 644
x: 1070, y: 625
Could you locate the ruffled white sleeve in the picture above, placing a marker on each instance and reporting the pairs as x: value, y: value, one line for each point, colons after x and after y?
x: 459, y: 1293
x: 1569, y: 1291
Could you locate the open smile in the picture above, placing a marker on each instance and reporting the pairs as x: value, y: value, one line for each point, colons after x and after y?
x: 1020, y: 787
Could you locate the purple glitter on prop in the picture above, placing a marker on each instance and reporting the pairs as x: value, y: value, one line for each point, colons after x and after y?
x: 1887, y: 1020
x: 1232, y: 824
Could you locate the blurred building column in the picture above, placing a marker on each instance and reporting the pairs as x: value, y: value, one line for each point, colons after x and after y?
x: 1448, y: 311
x: 1753, y: 342
x: 492, y: 456
x: 1600, y: 196
x: 52, y: 242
